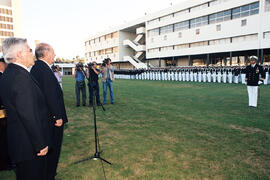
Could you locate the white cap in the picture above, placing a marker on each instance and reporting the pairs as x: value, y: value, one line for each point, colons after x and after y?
x: 253, y: 57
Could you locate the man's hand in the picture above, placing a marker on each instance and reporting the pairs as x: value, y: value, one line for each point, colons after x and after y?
x: 59, y: 122
x: 260, y: 82
x: 43, y: 152
x: 245, y: 82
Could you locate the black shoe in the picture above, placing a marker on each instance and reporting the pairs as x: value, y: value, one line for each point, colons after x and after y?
x: 112, y: 102
x: 83, y: 104
x: 77, y: 105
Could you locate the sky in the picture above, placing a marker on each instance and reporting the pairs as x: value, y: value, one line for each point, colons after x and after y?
x: 65, y: 24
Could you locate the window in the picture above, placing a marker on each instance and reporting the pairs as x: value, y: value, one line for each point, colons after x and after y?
x: 153, y: 32
x: 180, y: 35
x: 166, y: 29
x: 266, y: 35
x: 181, y: 46
x: 201, y: 21
x: 218, y: 27
x: 115, y: 35
x: 181, y: 26
x: 154, y: 50
x: 220, y: 41
x: 220, y: 17
x: 244, y: 22
x: 152, y: 40
x: 197, y: 31
x: 239, y: 39
x: 167, y: 48
x: 165, y: 38
x: 246, y: 10
x: 198, y: 44
x: 115, y: 49
x: 267, y: 5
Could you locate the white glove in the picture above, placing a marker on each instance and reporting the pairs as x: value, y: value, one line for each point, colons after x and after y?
x: 260, y: 82
x: 245, y: 82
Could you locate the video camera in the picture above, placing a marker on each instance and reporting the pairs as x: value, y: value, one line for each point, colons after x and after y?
x: 79, y: 66
x: 54, y: 68
x: 105, y: 61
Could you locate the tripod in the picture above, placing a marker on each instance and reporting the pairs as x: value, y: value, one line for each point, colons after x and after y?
x: 98, y: 151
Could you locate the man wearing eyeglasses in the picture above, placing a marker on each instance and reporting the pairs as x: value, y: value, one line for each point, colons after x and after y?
x: 27, y: 125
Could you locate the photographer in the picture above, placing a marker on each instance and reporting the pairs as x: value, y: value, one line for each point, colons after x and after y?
x: 93, y: 85
x: 58, y: 74
x: 107, y: 79
x: 80, y: 84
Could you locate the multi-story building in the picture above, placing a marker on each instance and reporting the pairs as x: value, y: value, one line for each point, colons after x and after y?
x: 10, y: 19
x: 193, y: 33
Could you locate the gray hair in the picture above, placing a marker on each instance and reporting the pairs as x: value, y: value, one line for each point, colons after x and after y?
x: 41, y: 49
x: 11, y: 46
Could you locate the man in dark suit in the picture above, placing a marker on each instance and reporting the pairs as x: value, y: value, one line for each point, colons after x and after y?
x: 54, y: 99
x: 4, y: 157
x: 27, y: 125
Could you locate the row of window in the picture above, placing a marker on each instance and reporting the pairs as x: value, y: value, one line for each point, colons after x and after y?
x: 6, y: 19
x: 189, y: 10
x: 102, y: 38
x: 250, y: 37
x: 234, y: 13
x: 102, y: 52
x: 197, y: 32
x: 6, y: 26
x: 5, y: 11
x: 5, y: 33
x: 267, y: 5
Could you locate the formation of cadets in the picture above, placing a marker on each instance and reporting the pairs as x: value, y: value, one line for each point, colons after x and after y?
x: 193, y: 74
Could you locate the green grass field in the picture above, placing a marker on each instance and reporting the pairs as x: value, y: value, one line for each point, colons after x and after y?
x: 168, y: 130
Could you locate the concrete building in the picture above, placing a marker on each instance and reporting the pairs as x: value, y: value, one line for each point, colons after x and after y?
x: 193, y: 33
x: 10, y: 20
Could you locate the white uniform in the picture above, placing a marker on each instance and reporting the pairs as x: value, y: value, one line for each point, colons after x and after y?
x: 191, y: 75
x: 230, y: 76
x: 195, y: 74
x: 184, y: 75
x: 180, y: 75
x: 187, y: 75
x: 214, y: 76
x: 200, y: 75
x: 209, y: 75
x: 224, y: 76
x: 266, y: 77
x: 204, y: 75
x: 219, y: 76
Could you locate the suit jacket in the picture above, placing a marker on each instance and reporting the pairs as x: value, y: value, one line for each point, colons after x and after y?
x: 52, y: 91
x: 253, y: 75
x: 27, y: 125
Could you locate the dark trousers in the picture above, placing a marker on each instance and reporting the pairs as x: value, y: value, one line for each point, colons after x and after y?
x: 54, y: 153
x: 80, y: 87
x: 93, y: 91
x: 33, y: 169
x: 4, y: 157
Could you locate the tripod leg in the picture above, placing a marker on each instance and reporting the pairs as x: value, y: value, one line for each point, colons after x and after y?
x: 105, y: 160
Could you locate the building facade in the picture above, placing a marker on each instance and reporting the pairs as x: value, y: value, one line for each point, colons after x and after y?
x: 10, y: 20
x: 193, y: 33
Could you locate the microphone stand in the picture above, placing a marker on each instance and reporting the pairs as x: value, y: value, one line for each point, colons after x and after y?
x: 98, y: 150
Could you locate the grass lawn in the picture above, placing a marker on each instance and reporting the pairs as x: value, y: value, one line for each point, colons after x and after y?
x: 168, y: 130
